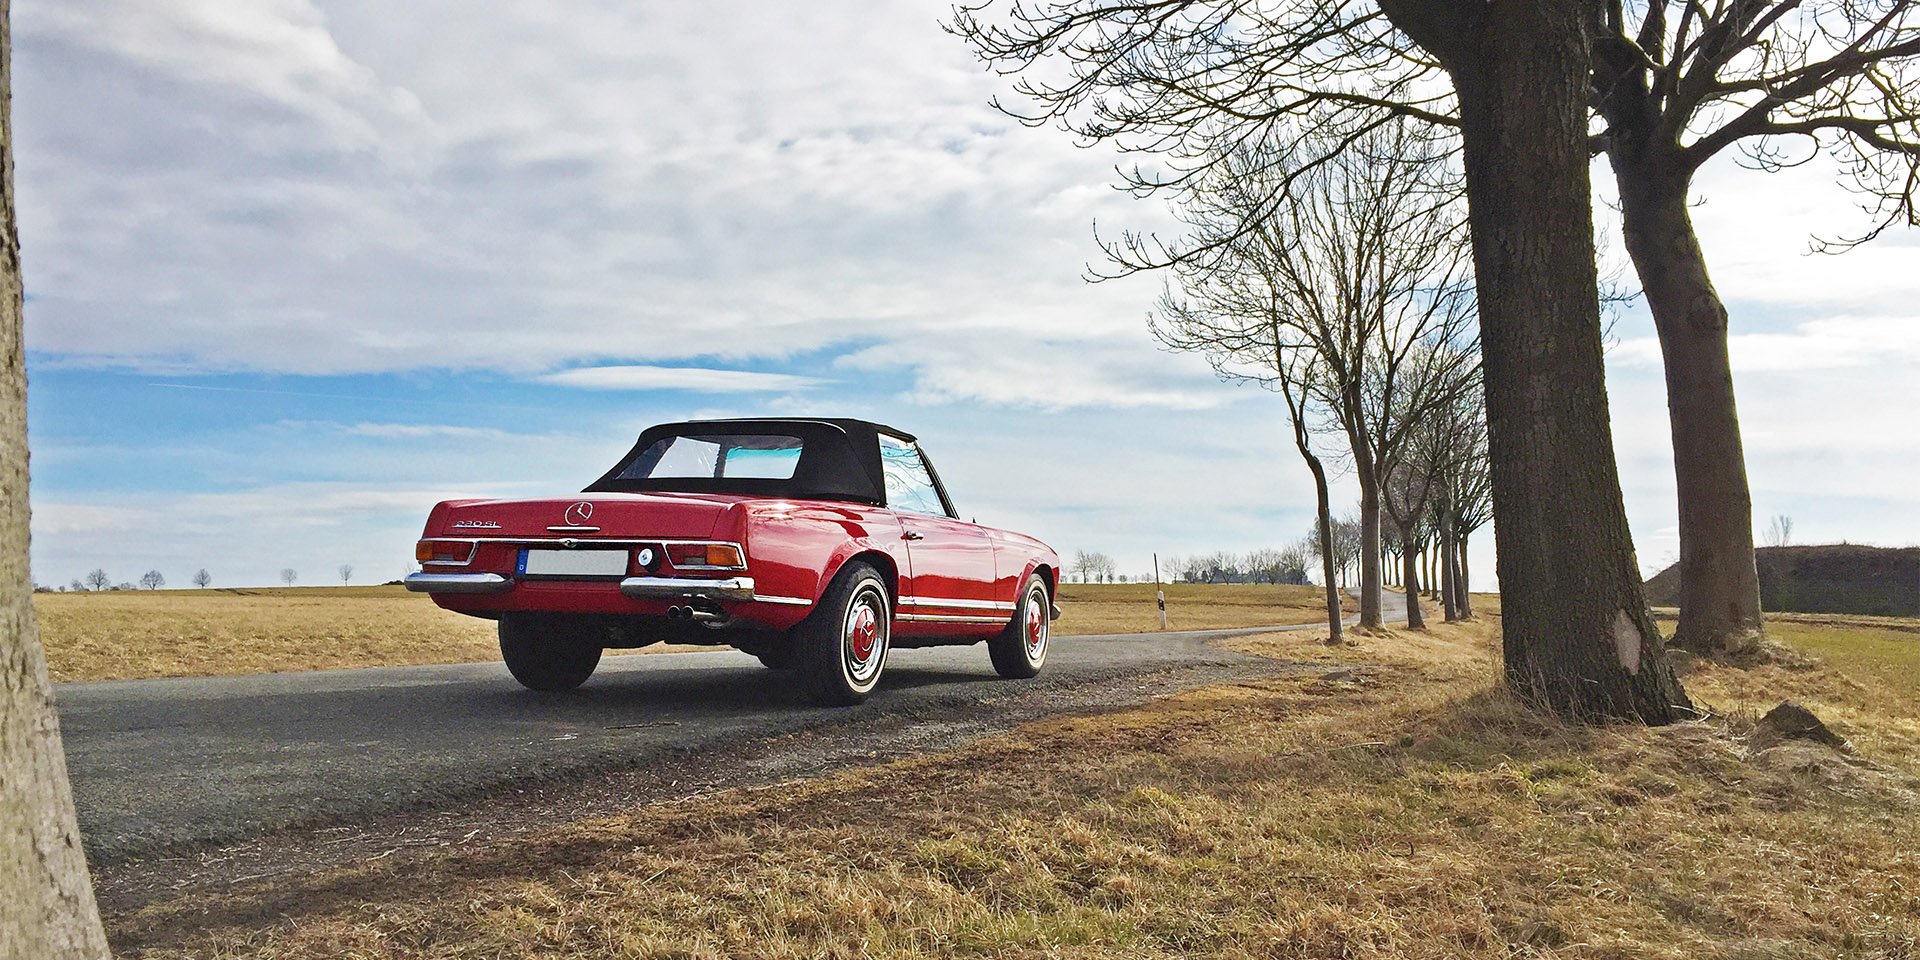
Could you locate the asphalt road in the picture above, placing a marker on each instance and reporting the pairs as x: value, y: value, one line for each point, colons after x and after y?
x: 191, y: 763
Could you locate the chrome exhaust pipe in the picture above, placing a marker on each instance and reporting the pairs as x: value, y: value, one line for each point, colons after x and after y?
x: 679, y: 613
x: 702, y: 616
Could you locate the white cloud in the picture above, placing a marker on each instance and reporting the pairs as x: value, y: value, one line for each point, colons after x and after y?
x: 417, y: 431
x: 1824, y: 344
x: 698, y: 379
x: 277, y: 51
x: 605, y: 184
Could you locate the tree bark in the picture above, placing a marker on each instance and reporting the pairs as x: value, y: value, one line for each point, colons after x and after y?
x: 1465, y: 586
x: 1719, y: 586
x: 1443, y: 545
x: 1577, y: 635
x: 1369, y: 548
x: 1410, y: 573
x: 46, y: 897
x: 1326, y: 545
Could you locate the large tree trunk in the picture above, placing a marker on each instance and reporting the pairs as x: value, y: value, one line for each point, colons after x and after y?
x: 1577, y: 635
x: 1465, y: 595
x: 46, y: 898
x: 1410, y: 572
x: 1369, y: 548
x: 1719, y: 587
x: 1449, y: 589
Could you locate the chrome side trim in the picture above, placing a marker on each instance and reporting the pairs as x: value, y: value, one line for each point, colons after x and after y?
x: 673, y: 588
x: 796, y: 601
x: 941, y: 618
x: 951, y: 602
x: 457, y: 582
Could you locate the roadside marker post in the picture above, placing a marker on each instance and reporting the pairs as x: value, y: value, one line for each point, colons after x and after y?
x: 1159, y: 595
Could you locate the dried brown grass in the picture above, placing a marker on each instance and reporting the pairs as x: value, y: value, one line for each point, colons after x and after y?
x: 1090, y: 608
x: 187, y: 633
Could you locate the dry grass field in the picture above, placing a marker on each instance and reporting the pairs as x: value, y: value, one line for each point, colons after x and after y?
x: 1129, y: 608
x: 178, y: 633
x: 1407, y: 809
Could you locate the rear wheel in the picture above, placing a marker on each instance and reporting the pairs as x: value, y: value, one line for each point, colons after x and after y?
x: 548, y: 653
x: 841, y: 648
x: 1021, y: 649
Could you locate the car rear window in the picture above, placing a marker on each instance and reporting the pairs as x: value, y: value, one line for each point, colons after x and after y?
x: 758, y: 456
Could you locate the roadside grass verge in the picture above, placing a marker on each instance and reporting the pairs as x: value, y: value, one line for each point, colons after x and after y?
x: 1404, y: 808
x: 122, y: 635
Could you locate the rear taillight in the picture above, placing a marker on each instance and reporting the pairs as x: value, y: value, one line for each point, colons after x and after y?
x: 444, y: 551
x: 706, y: 556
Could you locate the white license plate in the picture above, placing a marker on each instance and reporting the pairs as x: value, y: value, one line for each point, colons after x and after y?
x: 573, y: 563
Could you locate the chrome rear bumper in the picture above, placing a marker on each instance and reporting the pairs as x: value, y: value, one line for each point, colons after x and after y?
x: 457, y: 582
x: 731, y: 589
x: 677, y: 588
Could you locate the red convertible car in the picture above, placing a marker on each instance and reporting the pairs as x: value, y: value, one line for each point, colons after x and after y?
x: 816, y: 545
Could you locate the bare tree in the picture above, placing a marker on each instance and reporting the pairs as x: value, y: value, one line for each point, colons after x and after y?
x: 1469, y: 489
x: 203, y: 579
x: 1368, y: 261
x: 97, y: 579
x: 288, y: 575
x: 1409, y: 495
x: 46, y: 897
x: 1780, y: 531
x: 1192, y: 81
x: 1779, y: 81
x: 153, y: 580
x: 346, y: 574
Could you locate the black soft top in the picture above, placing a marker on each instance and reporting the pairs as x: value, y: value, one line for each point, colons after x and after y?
x: 839, y: 460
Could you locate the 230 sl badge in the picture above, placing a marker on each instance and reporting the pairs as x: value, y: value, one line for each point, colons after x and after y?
x: 476, y: 525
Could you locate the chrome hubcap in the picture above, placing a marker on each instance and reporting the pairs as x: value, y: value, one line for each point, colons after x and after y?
x: 863, y: 637
x: 1038, y: 624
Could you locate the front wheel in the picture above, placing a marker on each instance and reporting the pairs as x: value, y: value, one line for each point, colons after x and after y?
x: 548, y: 654
x: 1020, y: 650
x: 841, y: 648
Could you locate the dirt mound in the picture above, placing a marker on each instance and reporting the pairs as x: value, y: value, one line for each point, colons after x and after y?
x: 1831, y: 578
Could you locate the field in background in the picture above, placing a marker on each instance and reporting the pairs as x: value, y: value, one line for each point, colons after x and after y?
x: 181, y: 633
x: 184, y: 633
x: 1407, y: 808
x: 1128, y: 607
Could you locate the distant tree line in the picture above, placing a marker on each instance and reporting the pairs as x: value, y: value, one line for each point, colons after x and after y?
x: 97, y: 580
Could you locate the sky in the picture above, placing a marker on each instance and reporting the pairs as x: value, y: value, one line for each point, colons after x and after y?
x: 295, y: 271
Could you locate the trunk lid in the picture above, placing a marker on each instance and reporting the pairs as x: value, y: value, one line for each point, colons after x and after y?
x: 594, y: 516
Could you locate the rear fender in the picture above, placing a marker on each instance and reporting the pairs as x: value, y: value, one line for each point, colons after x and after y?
x: 863, y: 549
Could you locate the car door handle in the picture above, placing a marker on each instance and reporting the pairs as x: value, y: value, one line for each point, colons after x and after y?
x: 910, y: 535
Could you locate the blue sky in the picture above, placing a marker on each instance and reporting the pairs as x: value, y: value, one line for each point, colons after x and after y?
x: 297, y: 270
